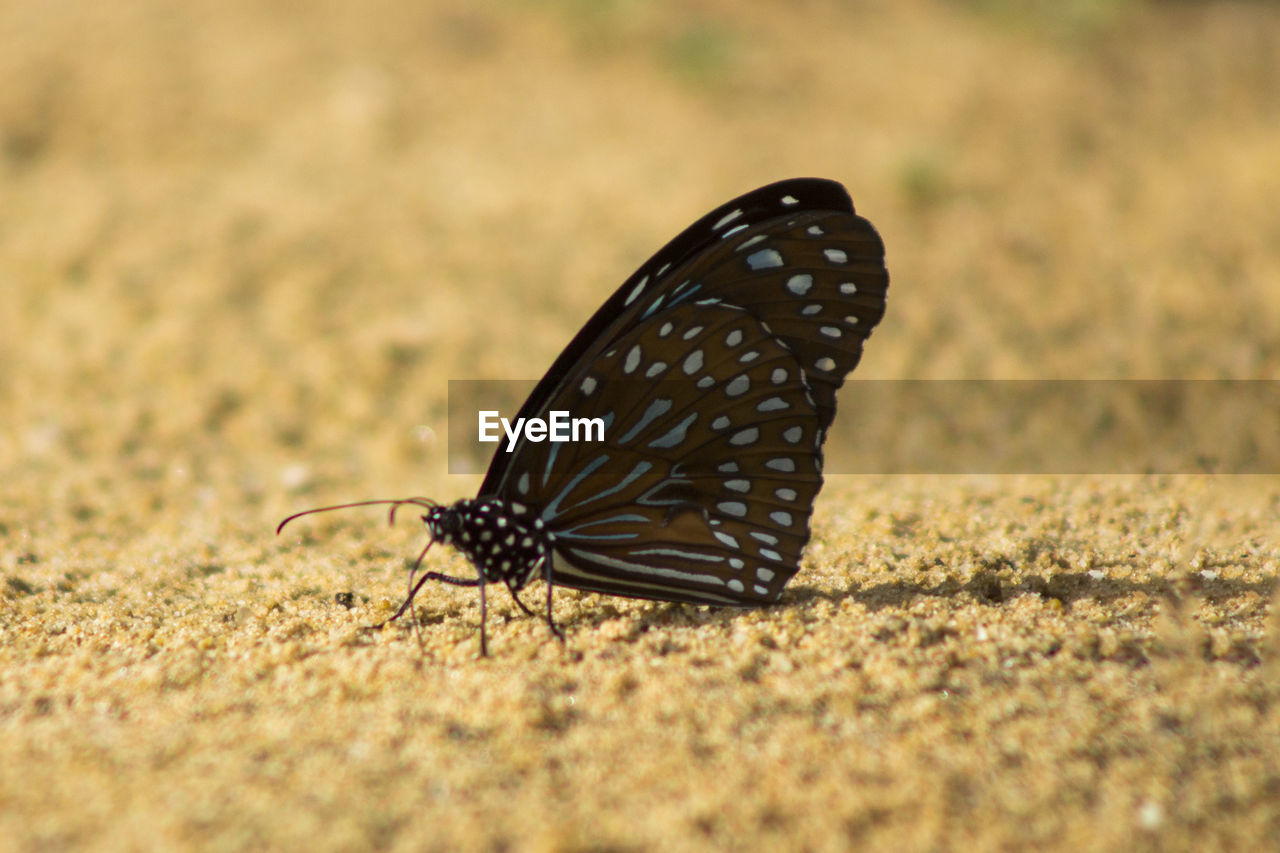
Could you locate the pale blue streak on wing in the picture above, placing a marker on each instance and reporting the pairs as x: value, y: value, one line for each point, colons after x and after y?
x: 656, y: 409
x: 574, y: 532
x: 642, y: 468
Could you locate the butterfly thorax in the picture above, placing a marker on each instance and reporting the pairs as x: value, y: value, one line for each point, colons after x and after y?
x: 502, y: 539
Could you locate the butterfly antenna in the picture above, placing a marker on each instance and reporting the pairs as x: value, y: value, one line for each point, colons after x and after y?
x: 425, y: 503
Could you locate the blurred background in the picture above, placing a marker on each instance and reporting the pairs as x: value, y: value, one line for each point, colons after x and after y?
x: 244, y: 245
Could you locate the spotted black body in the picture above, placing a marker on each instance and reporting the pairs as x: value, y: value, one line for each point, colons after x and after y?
x: 502, y: 541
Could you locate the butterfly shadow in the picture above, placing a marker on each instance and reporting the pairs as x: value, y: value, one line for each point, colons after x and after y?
x: 1067, y: 587
x: 649, y: 615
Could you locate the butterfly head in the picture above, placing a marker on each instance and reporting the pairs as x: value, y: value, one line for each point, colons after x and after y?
x: 445, y: 523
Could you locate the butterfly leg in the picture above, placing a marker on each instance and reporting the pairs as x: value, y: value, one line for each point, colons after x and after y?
x: 429, y: 576
x: 484, y: 639
x: 551, y: 622
x: 517, y: 600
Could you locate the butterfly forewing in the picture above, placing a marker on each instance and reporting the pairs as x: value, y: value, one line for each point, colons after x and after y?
x: 665, y: 272
x: 816, y: 280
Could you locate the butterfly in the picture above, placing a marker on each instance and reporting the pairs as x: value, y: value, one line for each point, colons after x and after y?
x: 714, y: 369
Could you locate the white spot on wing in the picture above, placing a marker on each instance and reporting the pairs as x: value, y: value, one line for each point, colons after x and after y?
x: 740, y: 385
x: 825, y: 364
x: 743, y: 437
x: 848, y: 288
x: 773, y: 404
x: 693, y: 362
x: 632, y: 361
x: 726, y: 539
x: 836, y: 256
x: 764, y: 259
x: 800, y: 284
x: 637, y: 290
x: 726, y: 219
x: 735, y: 508
x: 588, y: 385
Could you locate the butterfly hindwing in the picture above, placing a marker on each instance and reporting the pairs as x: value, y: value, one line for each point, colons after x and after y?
x: 703, y: 487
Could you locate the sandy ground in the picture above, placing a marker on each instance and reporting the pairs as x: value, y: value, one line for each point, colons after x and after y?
x: 243, y: 248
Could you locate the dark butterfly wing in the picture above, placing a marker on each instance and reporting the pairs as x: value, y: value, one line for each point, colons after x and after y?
x: 817, y: 281
x: 704, y: 485
x: 764, y: 204
x: 717, y: 381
